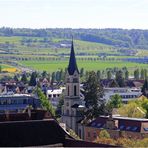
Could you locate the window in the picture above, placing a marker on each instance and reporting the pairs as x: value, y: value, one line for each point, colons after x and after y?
x: 75, y: 90
x: 88, y: 134
x: 128, y: 128
x: 95, y: 135
x: 99, y: 125
x: 134, y: 128
x: 49, y: 96
x: 68, y: 80
x: 67, y: 112
x: 93, y: 124
x: 146, y: 129
x: 54, y: 95
x: 80, y: 133
x: 67, y: 104
x: 122, y: 127
x: 68, y: 91
x: 24, y: 101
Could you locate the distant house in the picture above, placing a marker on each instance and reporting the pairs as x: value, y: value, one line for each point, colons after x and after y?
x: 135, y: 128
x: 54, y: 96
x: 17, y: 102
x: 126, y: 93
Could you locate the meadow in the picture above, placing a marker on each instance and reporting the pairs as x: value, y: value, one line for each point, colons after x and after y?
x: 52, y: 58
x: 51, y: 66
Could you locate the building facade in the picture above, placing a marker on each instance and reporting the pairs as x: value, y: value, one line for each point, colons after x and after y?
x: 17, y: 102
x: 135, y: 128
x: 126, y: 93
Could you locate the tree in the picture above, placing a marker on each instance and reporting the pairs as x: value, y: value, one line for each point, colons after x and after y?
x: 98, y: 74
x: 132, y: 109
x: 109, y: 75
x: 142, y: 75
x: 52, y: 78
x: 0, y: 68
x: 45, y: 102
x: 104, y: 134
x: 16, y: 78
x: 24, y: 78
x: 120, y: 79
x: 33, y: 79
x: 145, y: 88
x: 136, y: 74
x: 58, y: 76
x: 93, y: 93
x: 59, y: 106
x: 81, y: 72
x: 126, y: 74
x: 44, y: 74
x: 145, y: 74
x: 115, y: 101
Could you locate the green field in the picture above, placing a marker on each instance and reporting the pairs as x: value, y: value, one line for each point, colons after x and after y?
x: 37, y: 57
x: 87, y: 65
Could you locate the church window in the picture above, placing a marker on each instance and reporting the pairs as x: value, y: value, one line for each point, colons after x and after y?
x: 75, y: 90
x: 68, y: 91
x: 67, y: 112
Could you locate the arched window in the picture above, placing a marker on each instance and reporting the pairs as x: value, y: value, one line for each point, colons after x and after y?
x: 75, y: 90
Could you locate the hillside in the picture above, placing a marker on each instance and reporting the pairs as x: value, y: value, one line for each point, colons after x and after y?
x: 114, y: 37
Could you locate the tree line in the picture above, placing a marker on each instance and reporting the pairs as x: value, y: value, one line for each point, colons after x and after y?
x: 134, y: 38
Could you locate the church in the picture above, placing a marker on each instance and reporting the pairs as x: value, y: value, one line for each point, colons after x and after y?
x: 73, y: 103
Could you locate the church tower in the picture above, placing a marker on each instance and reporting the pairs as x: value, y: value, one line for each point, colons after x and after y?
x: 72, y: 101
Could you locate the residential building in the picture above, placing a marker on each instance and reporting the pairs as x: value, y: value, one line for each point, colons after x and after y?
x: 17, y: 102
x: 38, y: 128
x: 126, y: 93
x: 117, y: 126
x: 54, y: 95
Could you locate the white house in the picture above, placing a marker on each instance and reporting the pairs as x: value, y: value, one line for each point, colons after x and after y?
x: 126, y: 93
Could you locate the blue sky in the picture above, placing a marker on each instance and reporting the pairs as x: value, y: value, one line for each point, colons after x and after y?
x: 74, y: 13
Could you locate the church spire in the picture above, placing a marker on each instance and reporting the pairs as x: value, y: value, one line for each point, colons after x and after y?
x: 72, y: 67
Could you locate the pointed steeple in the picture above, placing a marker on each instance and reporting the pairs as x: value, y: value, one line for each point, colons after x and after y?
x: 72, y: 67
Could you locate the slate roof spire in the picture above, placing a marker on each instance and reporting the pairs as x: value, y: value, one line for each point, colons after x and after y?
x: 72, y: 67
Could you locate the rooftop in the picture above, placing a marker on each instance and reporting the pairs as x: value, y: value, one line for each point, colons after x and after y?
x: 72, y: 67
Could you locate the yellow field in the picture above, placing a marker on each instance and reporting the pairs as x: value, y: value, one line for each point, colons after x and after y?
x: 10, y: 70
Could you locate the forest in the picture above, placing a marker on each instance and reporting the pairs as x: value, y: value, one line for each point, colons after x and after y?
x: 134, y: 38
